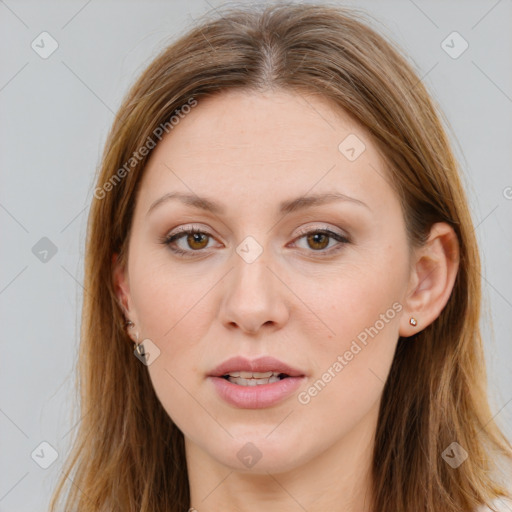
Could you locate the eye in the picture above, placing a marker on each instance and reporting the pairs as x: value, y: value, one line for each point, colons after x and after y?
x: 320, y: 239
x: 192, y: 240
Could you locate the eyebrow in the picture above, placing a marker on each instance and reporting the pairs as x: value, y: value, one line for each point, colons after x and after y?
x: 285, y: 207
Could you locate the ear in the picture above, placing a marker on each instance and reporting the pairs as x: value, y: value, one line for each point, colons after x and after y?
x: 121, y: 285
x: 433, y: 274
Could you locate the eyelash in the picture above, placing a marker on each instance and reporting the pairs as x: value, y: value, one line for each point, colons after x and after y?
x: 170, y: 239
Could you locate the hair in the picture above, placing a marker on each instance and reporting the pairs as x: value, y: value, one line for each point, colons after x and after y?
x: 127, y: 454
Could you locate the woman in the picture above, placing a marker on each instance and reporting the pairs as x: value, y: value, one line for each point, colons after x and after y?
x: 280, y: 236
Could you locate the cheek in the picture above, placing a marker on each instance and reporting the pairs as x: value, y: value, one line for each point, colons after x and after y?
x: 361, y: 313
x: 168, y: 302
x: 174, y: 312
x: 353, y: 299
x: 351, y: 365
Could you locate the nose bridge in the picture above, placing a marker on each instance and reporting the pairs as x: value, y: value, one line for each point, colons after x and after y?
x: 252, y: 295
x: 251, y: 260
x: 253, y: 276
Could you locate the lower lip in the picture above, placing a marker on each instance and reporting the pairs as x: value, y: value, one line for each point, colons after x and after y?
x: 255, y: 397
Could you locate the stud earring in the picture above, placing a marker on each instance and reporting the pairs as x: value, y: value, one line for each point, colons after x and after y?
x: 129, y: 324
x: 413, y: 321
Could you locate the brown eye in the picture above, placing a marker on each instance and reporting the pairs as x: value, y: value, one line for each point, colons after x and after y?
x: 187, y: 242
x: 318, y: 241
x: 197, y: 240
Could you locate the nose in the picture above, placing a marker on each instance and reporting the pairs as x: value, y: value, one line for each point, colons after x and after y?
x: 253, y: 297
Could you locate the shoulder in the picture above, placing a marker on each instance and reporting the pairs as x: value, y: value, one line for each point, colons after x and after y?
x: 500, y: 504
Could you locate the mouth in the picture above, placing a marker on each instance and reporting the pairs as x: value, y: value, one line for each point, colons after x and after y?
x: 257, y: 383
x: 242, y: 378
x: 262, y: 370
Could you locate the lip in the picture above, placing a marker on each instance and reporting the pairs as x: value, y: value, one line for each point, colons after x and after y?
x: 261, y: 395
x: 261, y: 364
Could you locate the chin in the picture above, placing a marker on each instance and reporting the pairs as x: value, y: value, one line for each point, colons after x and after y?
x: 257, y: 454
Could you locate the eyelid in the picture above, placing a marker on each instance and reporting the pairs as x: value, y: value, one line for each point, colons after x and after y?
x: 309, y: 229
x: 188, y: 227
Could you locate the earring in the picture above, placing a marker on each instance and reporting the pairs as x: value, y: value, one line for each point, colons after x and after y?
x: 413, y: 321
x: 139, y: 347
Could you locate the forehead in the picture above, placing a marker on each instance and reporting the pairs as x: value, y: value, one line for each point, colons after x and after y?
x: 263, y: 144
x: 263, y: 124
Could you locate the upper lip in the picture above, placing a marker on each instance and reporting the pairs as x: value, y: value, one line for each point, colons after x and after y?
x: 261, y: 364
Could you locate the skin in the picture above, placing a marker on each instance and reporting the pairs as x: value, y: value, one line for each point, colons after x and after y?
x: 250, y: 151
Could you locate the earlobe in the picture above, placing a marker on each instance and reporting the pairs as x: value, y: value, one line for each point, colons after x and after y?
x: 433, y: 277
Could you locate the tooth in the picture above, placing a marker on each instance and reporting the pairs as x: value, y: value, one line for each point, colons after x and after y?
x: 262, y: 375
x: 234, y: 374
x: 253, y: 382
x: 255, y: 375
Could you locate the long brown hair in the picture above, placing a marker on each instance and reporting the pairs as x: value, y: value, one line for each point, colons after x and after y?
x: 127, y: 454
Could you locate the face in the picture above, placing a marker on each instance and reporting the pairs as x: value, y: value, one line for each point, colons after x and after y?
x: 267, y: 271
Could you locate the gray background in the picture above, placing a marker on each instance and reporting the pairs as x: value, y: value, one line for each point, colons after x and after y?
x: 55, y: 115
